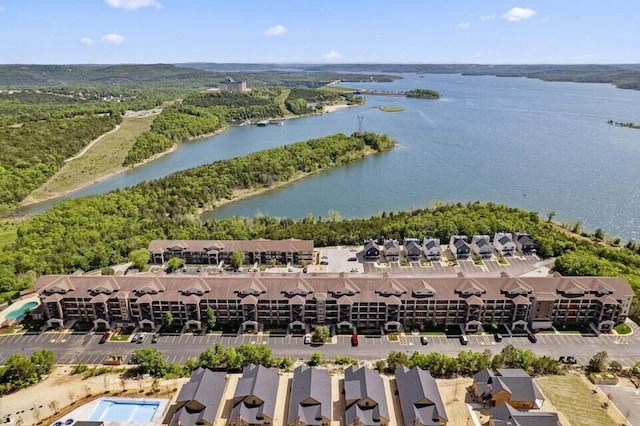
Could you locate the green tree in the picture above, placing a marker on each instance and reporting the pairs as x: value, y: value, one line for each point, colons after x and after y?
x: 316, y: 359
x: 615, y: 366
x: 599, y: 234
x: 168, y: 319
x: 381, y: 365
x: 19, y: 371
x: 598, y: 362
x: 175, y: 263
x: 213, y: 358
x: 210, y: 317
x: 150, y: 361
x: 254, y: 354
x: 140, y: 258
x: 8, y: 280
x: 44, y: 360
x: 397, y: 359
x: 237, y: 257
x: 321, y: 334
x: 107, y: 271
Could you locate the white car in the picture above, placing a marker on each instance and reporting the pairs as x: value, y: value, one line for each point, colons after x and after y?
x: 307, y: 339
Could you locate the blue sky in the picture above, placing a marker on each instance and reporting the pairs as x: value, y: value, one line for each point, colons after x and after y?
x: 319, y: 31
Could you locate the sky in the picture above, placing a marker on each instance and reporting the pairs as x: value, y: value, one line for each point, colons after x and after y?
x: 319, y: 31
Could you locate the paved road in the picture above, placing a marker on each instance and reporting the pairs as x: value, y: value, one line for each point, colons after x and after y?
x: 73, y: 348
x: 627, y: 400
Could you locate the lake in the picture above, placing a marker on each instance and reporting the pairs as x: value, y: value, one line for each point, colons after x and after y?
x: 543, y: 146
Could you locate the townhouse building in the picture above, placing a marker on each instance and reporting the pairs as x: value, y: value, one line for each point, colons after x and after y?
x: 212, y: 252
x: 362, y: 302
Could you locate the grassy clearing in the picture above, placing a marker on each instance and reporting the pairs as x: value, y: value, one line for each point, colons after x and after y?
x: 101, y: 160
x: 336, y: 89
x: 390, y: 109
x: 573, y: 397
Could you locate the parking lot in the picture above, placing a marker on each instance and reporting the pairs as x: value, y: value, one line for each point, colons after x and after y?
x: 516, y: 266
x: 84, y: 348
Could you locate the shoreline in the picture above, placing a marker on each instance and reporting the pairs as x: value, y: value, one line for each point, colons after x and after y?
x: 29, y: 201
x: 243, y: 194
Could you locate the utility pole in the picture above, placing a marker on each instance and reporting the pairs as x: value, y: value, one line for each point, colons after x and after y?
x: 360, y: 120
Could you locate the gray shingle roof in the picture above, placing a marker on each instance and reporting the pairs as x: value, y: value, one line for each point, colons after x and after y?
x: 259, y: 384
x: 419, y: 397
x: 310, y: 396
x: 260, y: 245
x: 200, y: 398
x: 360, y: 386
x: 506, y: 415
x: 513, y: 380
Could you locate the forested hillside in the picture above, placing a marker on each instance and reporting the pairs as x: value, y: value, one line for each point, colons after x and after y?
x: 33, y: 151
x: 92, y: 232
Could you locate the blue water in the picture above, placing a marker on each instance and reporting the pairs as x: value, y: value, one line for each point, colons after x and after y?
x: 543, y: 146
x: 19, y: 313
x: 124, y: 411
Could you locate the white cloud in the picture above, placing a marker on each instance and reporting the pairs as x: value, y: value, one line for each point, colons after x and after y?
x: 276, y: 30
x: 488, y: 17
x: 332, y: 55
x: 517, y: 14
x: 464, y: 25
x: 133, y: 4
x: 113, y: 38
x: 87, y: 41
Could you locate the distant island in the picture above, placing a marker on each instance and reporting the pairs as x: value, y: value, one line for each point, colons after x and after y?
x: 423, y: 94
x: 390, y: 108
x: 630, y: 124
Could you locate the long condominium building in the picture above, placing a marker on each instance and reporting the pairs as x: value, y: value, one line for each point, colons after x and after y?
x: 212, y: 252
x: 343, y: 300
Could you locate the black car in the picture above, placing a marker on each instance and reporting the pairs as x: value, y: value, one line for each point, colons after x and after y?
x: 532, y: 338
x: 155, y: 338
x: 571, y: 360
x: 497, y: 337
x: 424, y: 340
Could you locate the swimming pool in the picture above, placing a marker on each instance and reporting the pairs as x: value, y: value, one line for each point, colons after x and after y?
x: 112, y: 410
x: 19, y: 312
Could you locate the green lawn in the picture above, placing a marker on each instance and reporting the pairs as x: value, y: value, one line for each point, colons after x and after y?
x: 120, y: 337
x: 622, y: 329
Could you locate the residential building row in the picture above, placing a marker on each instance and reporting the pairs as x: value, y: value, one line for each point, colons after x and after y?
x: 511, y: 393
x: 414, y: 249
x: 310, y: 398
x: 360, y: 301
x: 214, y: 252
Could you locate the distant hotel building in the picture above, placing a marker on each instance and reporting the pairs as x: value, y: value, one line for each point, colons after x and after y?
x: 368, y: 302
x: 231, y: 85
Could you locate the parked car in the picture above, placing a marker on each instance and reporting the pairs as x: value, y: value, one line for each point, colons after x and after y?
x: 307, y: 339
x: 354, y: 339
x: 562, y: 359
x: 141, y: 337
x: 352, y: 259
x: 464, y: 340
x: 532, y: 338
x: 571, y: 360
x: 497, y: 337
x: 134, y: 338
x: 424, y: 340
x: 155, y: 338
x: 105, y: 337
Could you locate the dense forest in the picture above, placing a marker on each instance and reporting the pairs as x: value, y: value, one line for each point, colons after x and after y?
x: 97, y: 231
x: 33, y: 151
x: 162, y: 77
x: 423, y: 94
x: 206, y: 112
x: 624, y: 76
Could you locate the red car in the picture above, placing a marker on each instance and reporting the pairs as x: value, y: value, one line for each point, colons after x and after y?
x: 105, y: 337
x: 354, y: 339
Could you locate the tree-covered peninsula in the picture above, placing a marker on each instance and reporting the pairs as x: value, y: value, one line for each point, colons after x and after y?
x: 423, y: 94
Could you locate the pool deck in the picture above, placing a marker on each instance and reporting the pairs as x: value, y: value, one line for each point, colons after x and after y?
x: 84, y: 412
x: 17, y: 305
